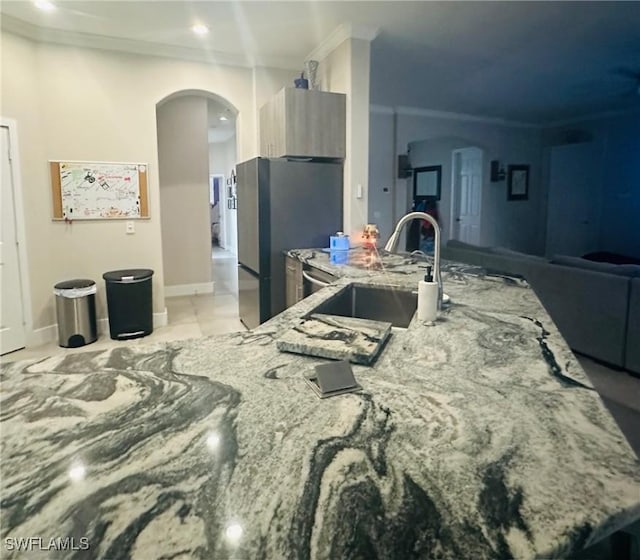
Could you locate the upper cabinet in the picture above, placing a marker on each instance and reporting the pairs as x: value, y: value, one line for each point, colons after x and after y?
x: 303, y: 123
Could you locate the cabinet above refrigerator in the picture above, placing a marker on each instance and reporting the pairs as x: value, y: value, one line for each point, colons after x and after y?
x: 304, y: 123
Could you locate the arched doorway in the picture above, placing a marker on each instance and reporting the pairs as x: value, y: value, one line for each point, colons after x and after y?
x: 193, y: 147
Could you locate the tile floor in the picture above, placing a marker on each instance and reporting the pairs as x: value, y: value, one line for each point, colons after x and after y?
x: 188, y: 316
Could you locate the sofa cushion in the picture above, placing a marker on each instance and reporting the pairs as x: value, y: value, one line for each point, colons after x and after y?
x: 632, y: 352
x: 613, y: 258
x: 588, y: 307
x: 629, y: 270
x: 509, y: 264
x: 517, y: 254
x: 464, y: 252
x: 455, y: 244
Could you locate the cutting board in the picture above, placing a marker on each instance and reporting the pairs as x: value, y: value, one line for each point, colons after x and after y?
x: 340, y: 338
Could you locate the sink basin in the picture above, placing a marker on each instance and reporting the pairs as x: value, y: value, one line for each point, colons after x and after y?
x: 377, y: 303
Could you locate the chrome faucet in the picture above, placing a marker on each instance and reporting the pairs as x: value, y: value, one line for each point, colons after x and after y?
x: 392, y: 244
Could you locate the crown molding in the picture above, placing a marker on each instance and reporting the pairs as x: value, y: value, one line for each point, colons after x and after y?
x: 343, y: 32
x: 420, y: 112
x: 103, y: 42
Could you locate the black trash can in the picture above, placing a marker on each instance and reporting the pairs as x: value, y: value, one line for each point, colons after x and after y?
x: 129, y: 302
x: 76, y: 312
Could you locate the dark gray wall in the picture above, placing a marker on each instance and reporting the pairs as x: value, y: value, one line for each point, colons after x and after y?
x: 618, y: 137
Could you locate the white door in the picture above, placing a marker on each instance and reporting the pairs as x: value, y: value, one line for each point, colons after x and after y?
x: 12, y: 329
x: 574, y: 199
x: 221, y: 211
x: 467, y: 195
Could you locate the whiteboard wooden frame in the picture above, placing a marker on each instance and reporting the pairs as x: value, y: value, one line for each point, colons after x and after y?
x: 56, y: 189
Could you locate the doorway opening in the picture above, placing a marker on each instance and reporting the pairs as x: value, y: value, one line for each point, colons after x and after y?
x: 427, y: 189
x: 221, y: 135
x: 466, y: 194
x: 196, y: 156
x: 222, y: 197
x: 16, y: 323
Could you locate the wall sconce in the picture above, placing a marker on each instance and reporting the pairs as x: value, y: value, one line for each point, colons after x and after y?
x: 497, y: 173
x: 404, y: 167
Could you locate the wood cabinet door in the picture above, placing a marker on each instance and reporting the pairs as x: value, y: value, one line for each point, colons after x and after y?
x: 304, y: 123
x: 315, y: 123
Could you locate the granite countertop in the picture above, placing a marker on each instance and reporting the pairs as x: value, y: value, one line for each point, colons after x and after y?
x: 479, y: 437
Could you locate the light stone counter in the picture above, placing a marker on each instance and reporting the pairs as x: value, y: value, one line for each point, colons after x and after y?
x: 479, y: 437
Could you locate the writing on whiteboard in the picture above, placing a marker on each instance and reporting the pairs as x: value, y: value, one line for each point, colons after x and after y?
x: 100, y: 190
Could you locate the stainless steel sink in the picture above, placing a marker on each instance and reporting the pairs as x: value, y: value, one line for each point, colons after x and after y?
x: 378, y: 303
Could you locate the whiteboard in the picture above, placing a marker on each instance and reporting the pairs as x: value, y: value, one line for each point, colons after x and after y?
x: 99, y: 190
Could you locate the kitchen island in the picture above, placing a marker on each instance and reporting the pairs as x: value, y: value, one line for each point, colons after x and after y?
x: 478, y: 437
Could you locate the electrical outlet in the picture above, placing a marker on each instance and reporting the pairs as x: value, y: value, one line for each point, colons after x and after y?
x: 131, y: 227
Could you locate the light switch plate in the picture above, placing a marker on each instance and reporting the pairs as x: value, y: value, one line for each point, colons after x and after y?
x: 131, y: 227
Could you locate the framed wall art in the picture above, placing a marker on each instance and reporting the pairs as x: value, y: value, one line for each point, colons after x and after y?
x: 518, y: 182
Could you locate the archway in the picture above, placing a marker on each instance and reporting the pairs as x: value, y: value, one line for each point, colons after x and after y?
x: 185, y: 159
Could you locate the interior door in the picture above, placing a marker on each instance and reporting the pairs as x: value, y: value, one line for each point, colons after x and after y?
x: 217, y: 196
x: 574, y: 199
x: 12, y: 331
x: 467, y: 207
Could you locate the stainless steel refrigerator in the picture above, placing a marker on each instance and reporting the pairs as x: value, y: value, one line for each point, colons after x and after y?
x: 281, y: 205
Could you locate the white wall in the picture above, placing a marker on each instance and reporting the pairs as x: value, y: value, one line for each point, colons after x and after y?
x: 432, y: 137
x: 382, y: 173
x: 346, y: 70
x: 222, y: 157
x: 183, y: 158
x: 85, y: 104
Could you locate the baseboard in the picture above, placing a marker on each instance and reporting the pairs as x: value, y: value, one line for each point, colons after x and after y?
x: 161, y: 319
x: 43, y: 335
x: 48, y: 334
x: 189, y: 289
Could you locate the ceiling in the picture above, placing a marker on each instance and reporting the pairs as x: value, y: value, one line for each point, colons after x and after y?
x: 533, y: 62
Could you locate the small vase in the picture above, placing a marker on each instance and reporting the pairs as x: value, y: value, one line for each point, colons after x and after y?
x: 301, y: 82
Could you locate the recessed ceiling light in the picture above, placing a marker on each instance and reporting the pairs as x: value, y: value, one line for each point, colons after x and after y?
x: 200, y: 29
x: 223, y: 118
x: 45, y: 5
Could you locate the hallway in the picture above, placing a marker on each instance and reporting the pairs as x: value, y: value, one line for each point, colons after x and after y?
x: 208, y: 314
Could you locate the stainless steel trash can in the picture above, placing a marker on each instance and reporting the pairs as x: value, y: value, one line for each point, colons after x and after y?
x: 130, y: 302
x: 76, y: 312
